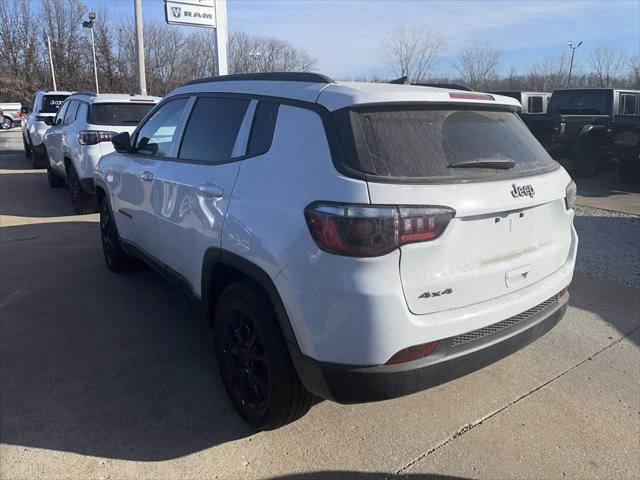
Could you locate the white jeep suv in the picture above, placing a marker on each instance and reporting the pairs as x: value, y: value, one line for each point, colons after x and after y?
x: 350, y: 241
x: 80, y: 134
x: 44, y: 105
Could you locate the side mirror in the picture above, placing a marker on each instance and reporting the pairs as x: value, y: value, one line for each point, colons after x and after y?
x: 24, y: 110
x: 49, y: 121
x: 122, y: 142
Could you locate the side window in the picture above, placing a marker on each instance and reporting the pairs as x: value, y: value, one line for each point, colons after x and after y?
x: 83, y: 110
x: 264, y: 123
x: 535, y: 105
x: 33, y: 102
x: 212, y: 129
x: 70, y: 115
x: 156, y: 135
x: 628, y: 103
x: 61, y: 113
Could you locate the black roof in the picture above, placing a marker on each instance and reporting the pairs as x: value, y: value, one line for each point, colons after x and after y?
x: 269, y: 76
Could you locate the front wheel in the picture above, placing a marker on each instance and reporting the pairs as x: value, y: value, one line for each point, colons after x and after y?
x: 81, y: 201
x: 6, y: 124
x: 55, y: 180
x: 254, y: 361
x: 115, y: 257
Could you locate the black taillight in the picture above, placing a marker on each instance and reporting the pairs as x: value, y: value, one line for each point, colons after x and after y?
x: 93, y: 137
x: 371, y: 231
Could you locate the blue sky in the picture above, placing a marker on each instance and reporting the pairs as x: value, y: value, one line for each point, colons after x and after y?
x: 345, y: 36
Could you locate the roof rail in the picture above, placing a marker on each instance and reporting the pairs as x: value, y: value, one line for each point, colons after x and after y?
x: 269, y: 76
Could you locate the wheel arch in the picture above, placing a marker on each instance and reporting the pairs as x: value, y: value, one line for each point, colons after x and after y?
x: 222, y: 268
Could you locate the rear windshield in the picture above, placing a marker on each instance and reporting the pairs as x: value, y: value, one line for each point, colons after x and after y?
x: 581, y: 102
x: 118, y: 113
x: 52, y: 103
x: 423, y: 143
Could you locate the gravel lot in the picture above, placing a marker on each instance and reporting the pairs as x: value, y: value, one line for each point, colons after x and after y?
x: 609, y: 245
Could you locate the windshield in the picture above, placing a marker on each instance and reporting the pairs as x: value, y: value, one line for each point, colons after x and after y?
x: 52, y: 103
x: 118, y: 113
x: 581, y: 102
x: 436, y: 143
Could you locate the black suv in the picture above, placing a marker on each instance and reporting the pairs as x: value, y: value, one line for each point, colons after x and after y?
x: 587, y: 127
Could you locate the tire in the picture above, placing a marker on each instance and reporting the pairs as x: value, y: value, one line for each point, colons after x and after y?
x: 39, y: 160
x: 81, y: 201
x: 55, y: 180
x: 253, y: 359
x: 7, y: 123
x: 115, y: 257
x: 587, y: 163
x: 27, y: 147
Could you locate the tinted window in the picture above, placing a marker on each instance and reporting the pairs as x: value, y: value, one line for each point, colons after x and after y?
x: 264, y: 123
x: 423, y: 143
x: 588, y: 102
x: 212, y: 129
x: 52, y: 103
x: 156, y: 135
x: 61, y: 113
x: 119, y: 113
x: 70, y: 115
x: 628, y: 104
x: 535, y: 105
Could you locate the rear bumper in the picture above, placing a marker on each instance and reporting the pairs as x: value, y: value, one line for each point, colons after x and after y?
x: 353, y: 384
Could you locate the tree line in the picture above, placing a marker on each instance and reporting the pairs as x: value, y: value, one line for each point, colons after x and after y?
x: 174, y: 56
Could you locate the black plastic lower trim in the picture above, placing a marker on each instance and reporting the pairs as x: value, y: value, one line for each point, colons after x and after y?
x: 353, y: 384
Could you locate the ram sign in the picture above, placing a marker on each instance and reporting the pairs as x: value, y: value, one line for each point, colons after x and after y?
x: 190, y: 12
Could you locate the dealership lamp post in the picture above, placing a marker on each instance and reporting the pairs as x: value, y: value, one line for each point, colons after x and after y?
x: 89, y: 24
x: 256, y: 59
x: 573, y: 52
x: 142, y: 79
x: 53, y: 72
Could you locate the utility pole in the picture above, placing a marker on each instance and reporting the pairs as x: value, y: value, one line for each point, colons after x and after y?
x: 573, y: 52
x: 142, y: 79
x: 53, y: 73
x: 89, y: 24
x: 222, y: 37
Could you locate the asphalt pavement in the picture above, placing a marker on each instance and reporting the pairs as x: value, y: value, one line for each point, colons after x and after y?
x: 106, y: 376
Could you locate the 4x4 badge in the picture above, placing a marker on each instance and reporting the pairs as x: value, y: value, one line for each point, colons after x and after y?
x: 523, y: 191
x: 447, y: 291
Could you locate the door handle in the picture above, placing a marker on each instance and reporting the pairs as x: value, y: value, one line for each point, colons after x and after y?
x: 210, y: 190
x: 146, y: 176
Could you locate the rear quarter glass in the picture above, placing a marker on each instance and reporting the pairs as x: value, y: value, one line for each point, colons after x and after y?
x: 419, y: 144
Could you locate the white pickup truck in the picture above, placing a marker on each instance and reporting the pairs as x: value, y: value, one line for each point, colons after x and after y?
x: 10, y: 115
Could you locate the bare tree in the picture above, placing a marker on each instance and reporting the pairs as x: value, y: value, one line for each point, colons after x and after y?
x: 608, y: 64
x: 634, y: 70
x: 477, y: 63
x: 252, y: 53
x: 412, y: 52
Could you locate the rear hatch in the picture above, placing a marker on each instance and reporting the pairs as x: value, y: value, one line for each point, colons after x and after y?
x: 511, y: 227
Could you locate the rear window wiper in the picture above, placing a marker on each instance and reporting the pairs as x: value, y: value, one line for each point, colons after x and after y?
x: 501, y: 164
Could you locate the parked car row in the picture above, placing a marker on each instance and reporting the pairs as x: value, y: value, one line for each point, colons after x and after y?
x: 347, y: 241
x: 586, y: 129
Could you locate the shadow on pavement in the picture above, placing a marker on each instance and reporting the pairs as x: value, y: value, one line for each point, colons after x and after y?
x: 350, y: 475
x: 101, y: 364
x: 28, y: 194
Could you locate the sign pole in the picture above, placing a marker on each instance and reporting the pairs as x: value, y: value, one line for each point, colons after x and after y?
x: 142, y: 79
x: 222, y: 37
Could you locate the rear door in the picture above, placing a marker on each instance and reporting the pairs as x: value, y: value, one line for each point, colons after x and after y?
x: 134, y: 183
x: 53, y: 138
x: 511, y: 227
x: 195, y: 188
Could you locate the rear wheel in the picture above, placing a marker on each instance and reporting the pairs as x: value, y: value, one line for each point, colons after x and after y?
x: 587, y: 162
x: 81, y: 201
x: 6, y: 124
x: 115, y: 257
x: 253, y: 359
